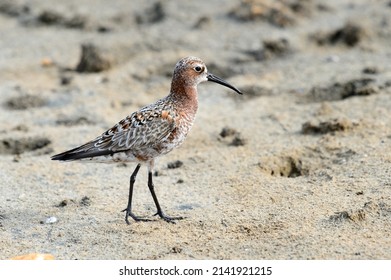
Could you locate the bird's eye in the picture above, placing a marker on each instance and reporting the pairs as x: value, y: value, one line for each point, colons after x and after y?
x: 198, y: 69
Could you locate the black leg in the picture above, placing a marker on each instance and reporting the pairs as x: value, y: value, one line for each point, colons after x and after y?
x: 159, y: 209
x: 129, y: 207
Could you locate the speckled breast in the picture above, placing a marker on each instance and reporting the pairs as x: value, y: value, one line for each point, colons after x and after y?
x: 184, y: 123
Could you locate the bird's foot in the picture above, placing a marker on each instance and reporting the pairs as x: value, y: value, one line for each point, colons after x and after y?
x: 134, y: 217
x: 168, y: 219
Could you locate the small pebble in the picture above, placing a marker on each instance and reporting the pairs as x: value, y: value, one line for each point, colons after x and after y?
x: 51, y: 220
x: 370, y: 70
x: 333, y: 58
x: 47, y: 62
x: 175, y: 164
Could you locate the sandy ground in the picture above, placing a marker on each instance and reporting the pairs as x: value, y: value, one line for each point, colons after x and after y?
x: 297, y: 168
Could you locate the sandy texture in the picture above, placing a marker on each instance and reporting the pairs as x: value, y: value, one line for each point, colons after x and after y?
x: 298, y: 168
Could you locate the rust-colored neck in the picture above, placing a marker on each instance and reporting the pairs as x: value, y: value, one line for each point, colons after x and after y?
x: 184, y: 95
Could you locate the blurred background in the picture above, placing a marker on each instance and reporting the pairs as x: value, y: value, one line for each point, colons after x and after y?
x: 298, y: 167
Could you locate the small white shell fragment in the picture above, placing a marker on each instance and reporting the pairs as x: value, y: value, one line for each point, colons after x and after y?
x: 51, y: 220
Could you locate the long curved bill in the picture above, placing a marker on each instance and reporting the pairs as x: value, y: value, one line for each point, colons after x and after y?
x: 220, y: 81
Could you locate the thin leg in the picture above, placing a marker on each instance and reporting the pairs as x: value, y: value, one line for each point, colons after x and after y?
x: 159, y: 209
x: 129, y: 207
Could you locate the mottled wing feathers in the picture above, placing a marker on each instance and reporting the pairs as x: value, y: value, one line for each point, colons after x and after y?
x: 85, y: 151
x: 140, y: 129
x: 144, y: 128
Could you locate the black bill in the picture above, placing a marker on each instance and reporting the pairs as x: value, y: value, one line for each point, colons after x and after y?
x: 220, y: 81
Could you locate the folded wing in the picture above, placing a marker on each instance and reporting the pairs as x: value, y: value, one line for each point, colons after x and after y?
x: 142, y: 129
